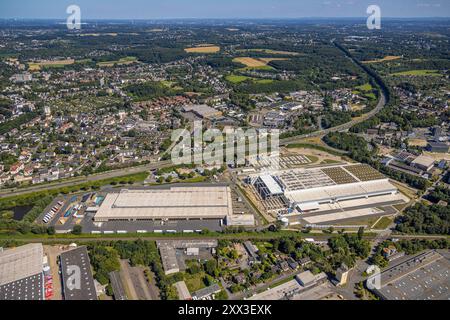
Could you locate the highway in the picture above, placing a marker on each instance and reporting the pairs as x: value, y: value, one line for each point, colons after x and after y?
x: 164, y: 164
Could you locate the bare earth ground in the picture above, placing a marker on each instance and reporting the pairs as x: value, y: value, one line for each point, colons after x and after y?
x: 203, y: 49
x: 251, y: 62
x: 52, y: 253
x: 418, y: 142
x: 316, y: 153
x: 438, y: 156
x: 128, y: 283
x: 387, y: 58
x: 136, y: 285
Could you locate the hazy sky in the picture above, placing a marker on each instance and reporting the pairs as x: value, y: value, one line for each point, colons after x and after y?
x: 165, y: 9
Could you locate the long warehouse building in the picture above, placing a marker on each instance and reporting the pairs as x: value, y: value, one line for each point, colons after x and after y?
x: 175, y: 203
x: 21, y: 273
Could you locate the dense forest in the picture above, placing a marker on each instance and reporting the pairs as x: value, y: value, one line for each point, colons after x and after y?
x: 422, y: 218
x: 149, y: 90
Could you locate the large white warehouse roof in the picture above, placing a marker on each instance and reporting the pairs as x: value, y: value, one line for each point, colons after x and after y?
x: 173, y: 203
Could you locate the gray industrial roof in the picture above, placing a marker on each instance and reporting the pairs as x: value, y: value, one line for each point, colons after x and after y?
x: 30, y: 288
x: 423, y: 277
x: 20, y: 263
x: 205, y: 292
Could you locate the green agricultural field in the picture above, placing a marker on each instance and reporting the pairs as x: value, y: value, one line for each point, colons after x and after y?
x: 264, y: 81
x: 370, y: 96
x: 365, y: 87
x: 122, y: 61
x: 263, y: 68
x: 418, y: 73
x: 83, y: 61
x: 236, y: 79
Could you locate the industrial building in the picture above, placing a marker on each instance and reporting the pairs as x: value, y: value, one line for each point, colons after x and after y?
x: 203, y: 111
x: 422, y: 277
x: 424, y: 163
x: 183, y: 291
x: 206, y: 293
x: 173, y: 252
x: 438, y: 147
x: 302, y: 283
x: 21, y: 273
x: 175, y: 203
x: 77, y: 279
x: 329, y: 189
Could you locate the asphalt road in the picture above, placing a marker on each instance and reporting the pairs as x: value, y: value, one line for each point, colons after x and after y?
x: 250, y: 236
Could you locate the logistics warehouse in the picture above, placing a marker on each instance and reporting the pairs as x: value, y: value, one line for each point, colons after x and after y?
x: 175, y: 203
x: 329, y: 190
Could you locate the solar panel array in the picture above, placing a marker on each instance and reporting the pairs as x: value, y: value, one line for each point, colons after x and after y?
x: 339, y: 175
x: 364, y: 172
x: 30, y: 288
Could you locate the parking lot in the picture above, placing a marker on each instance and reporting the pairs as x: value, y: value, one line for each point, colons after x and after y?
x: 422, y: 277
x: 122, y: 227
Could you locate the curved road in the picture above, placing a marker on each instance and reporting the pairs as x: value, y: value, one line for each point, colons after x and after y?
x: 163, y: 164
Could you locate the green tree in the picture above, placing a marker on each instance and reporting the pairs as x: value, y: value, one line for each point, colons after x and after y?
x: 77, y: 230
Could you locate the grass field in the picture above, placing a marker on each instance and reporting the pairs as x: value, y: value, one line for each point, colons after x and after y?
x: 123, y: 61
x: 264, y: 81
x: 36, y: 66
x: 383, y: 223
x: 194, y: 282
x: 269, y: 51
x: 418, y: 73
x: 387, y: 58
x: 203, y: 49
x: 236, y: 79
x: 407, y: 191
x: 365, y: 87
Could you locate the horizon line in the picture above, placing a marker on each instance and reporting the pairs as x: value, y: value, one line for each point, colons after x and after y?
x: 227, y: 18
